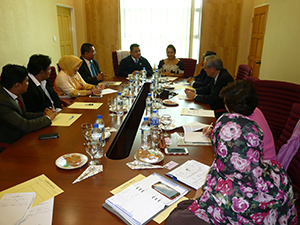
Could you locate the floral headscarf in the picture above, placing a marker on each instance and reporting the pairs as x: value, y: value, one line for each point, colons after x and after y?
x: 240, y: 187
x: 69, y: 63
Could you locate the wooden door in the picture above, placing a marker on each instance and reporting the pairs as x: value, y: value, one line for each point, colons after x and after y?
x: 65, y: 30
x: 257, y: 38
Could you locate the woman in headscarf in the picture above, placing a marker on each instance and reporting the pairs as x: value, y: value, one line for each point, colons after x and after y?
x: 69, y: 81
x: 240, y: 187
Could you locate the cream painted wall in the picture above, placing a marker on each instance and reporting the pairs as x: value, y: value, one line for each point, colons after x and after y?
x: 28, y: 27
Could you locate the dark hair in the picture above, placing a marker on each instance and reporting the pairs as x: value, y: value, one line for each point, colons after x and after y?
x: 37, y: 63
x: 133, y: 45
x: 240, y: 97
x: 12, y: 74
x: 214, y: 61
x: 207, y: 53
x: 172, y: 47
x: 86, y: 47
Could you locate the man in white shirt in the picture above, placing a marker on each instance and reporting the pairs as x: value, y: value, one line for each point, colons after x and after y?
x: 40, y: 93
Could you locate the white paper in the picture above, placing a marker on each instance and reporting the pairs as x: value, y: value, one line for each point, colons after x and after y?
x: 198, y: 112
x: 108, y: 91
x: 14, y: 207
x: 40, y: 214
x: 198, y: 137
x: 191, y: 173
x: 190, y: 127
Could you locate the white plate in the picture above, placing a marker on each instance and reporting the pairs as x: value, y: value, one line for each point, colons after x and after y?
x: 107, y: 134
x: 170, y: 102
x: 169, y: 86
x: 159, y: 156
x: 62, y: 163
x: 170, y: 127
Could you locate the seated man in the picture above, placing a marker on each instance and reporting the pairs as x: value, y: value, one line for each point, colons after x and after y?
x: 213, y: 67
x: 134, y: 63
x: 40, y: 93
x: 201, y: 80
x: 15, y: 121
x: 89, y: 70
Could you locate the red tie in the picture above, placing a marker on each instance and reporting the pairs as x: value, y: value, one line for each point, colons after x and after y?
x: 20, y: 102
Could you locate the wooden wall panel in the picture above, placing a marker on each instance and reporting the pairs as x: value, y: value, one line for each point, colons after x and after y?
x: 220, y: 30
x: 104, y: 30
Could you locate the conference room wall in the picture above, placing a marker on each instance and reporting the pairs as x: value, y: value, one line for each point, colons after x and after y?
x: 28, y: 27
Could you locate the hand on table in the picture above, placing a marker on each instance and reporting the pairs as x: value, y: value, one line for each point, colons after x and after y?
x: 190, y: 93
x: 51, y: 113
x: 101, y: 76
x: 190, y: 80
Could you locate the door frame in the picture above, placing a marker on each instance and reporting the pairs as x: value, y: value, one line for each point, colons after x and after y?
x: 73, y: 27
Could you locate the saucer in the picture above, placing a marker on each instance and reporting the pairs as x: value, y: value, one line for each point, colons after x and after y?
x: 170, y: 102
x: 170, y: 127
x: 62, y: 163
x: 158, y: 157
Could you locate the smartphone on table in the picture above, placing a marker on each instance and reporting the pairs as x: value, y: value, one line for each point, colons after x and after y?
x: 48, y: 136
x: 165, y: 190
x: 176, y: 151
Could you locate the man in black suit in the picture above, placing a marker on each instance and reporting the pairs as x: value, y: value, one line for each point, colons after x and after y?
x: 89, y: 69
x: 201, y: 80
x: 134, y: 63
x: 213, y: 67
x: 15, y: 121
x: 40, y: 93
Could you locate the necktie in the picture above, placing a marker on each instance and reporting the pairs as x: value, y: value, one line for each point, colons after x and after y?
x: 93, y: 69
x: 136, y: 61
x: 20, y: 102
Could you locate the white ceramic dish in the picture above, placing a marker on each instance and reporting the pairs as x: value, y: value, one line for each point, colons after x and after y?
x: 170, y: 127
x: 62, y: 163
x: 170, y: 102
x: 159, y: 156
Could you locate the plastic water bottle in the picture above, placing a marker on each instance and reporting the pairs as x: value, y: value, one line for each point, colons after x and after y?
x: 152, y: 89
x: 154, y: 119
x: 101, y: 126
x: 144, y: 75
x: 119, y: 104
x: 149, y: 103
x: 130, y: 89
x: 96, y: 141
x: 146, y: 139
x: 137, y: 79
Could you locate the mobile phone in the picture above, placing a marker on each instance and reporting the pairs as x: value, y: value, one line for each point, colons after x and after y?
x: 48, y: 136
x: 165, y: 190
x: 176, y: 151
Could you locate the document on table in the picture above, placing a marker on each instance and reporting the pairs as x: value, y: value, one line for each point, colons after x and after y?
x: 14, y: 207
x: 140, y: 202
x: 183, y: 86
x: 197, y: 137
x: 85, y: 105
x: 65, y: 119
x: 198, y: 112
x: 192, y: 173
x: 190, y: 127
x: 41, y: 185
x: 127, y: 184
x: 111, y: 83
x: 108, y: 91
x: 181, y: 141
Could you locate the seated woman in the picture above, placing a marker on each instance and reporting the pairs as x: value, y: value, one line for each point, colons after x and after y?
x: 240, y: 187
x: 171, y: 66
x: 69, y: 81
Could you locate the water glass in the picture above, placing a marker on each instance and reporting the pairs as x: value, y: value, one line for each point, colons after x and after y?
x: 92, y: 152
x: 166, y: 120
x: 111, y: 105
x: 86, y: 130
x: 155, y: 137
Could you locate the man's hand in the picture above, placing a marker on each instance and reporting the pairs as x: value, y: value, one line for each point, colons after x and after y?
x: 190, y: 93
x: 101, y: 76
x: 51, y: 113
x: 190, y: 80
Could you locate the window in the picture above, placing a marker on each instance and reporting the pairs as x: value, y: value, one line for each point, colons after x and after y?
x: 157, y: 23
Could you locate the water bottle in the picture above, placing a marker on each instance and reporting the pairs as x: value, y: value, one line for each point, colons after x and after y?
x: 130, y: 89
x: 119, y: 104
x: 152, y: 89
x: 137, y: 79
x: 144, y: 75
x: 101, y: 126
x: 145, y: 139
x: 149, y: 103
x: 156, y: 75
x: 96, y: 141
x: 154, y: 119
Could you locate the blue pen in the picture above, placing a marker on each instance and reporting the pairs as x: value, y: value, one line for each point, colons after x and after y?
x: 71, y: 118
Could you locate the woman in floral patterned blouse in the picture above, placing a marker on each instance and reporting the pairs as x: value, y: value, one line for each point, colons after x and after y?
x: 240, y: 187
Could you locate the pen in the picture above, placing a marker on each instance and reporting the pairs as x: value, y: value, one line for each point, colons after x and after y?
x: 89, y: 104
x: 211, y: 125
x: 71, y: 118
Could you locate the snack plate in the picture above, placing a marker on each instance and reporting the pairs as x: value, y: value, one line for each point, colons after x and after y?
x: 170, y: 127
x: 62, y: 163
x: 158, y: 157
x: 170, y: 102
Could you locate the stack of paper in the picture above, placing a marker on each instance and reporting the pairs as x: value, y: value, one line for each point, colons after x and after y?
x: 196, y: 137
x: 198, y: 112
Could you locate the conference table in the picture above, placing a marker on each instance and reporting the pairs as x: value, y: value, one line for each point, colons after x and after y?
x: 81, y: 203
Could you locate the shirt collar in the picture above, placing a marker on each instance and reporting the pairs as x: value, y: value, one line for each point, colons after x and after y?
x: 217, y: 77
x: 10, y: 93
x: 87, y: 61
x: 134, y: 59
x: 33, y: 78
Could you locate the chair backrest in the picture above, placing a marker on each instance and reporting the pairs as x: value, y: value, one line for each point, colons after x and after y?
x: 244, y: 71
x: 52, y: 75
x: 189, y: 66
x: 275, y: 101
x: 115, y: 62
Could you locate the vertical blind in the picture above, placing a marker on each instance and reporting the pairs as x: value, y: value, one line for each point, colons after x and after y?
x: 157, y: 23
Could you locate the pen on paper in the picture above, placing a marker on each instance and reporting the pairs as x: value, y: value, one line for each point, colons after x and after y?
x: 71, y: 118
x: 211, y: 125
x: 89, y: 104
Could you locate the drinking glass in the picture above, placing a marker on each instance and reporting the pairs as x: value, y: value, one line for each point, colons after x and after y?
x: 166, y: 120
x: 155, y: 137
x: 159, y: 90
x: 86, y: 130
x: 111, y: 105
x: 92, y: 152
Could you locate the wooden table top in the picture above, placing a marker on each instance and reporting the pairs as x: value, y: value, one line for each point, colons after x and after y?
x: 81, y: 203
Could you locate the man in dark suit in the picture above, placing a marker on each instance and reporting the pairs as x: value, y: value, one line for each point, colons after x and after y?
x: 15, y: 121
x: 134, y: 63
x: 201, y: 80
x: 89, y: 69
x: 40, y: 93
x: 213, y: 67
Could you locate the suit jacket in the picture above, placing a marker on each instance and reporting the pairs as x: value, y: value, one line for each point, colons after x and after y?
x: 210, y: 93
x: 85, y: 73
x: 127, y: 66
x: 15, y: 122
x: 36, y: 100
x: 202, y: 80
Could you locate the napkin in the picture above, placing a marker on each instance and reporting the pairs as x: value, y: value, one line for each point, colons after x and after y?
x: 90, y: 171
x: 137, y: 165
